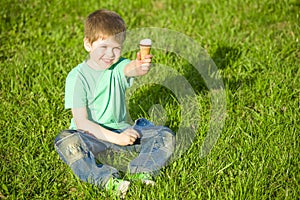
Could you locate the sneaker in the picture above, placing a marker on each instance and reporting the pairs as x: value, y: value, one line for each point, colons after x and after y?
x: 145, y: 178
x: 117, y: 186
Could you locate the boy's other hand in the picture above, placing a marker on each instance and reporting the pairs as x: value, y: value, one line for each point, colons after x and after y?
x: 128, y: 137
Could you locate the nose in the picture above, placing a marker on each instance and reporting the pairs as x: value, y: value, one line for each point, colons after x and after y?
x: 109, y: 52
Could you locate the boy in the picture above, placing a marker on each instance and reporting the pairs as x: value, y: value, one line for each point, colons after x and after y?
x: 95, y: 93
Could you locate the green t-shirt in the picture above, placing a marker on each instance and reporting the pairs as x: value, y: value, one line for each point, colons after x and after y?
x: 102, y: 92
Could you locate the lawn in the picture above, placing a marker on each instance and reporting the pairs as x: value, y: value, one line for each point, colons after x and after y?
x: 255, y: 46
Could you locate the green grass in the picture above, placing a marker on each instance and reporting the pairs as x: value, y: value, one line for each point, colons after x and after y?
x: 255, y: 45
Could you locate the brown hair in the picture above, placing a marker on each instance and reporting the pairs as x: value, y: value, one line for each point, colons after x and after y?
x: 103, y: 24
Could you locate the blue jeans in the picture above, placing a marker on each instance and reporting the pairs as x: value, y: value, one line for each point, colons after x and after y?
x: 96, y: 161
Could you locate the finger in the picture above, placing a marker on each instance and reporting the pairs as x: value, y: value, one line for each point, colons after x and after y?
x: 147, y: 60
x: 134, y: 132
x: 138, y: 55
x: 135, y: 135
x: 131, y: 133
x: 149, y: 56
x: 131, y: 140
x: 145, y: 66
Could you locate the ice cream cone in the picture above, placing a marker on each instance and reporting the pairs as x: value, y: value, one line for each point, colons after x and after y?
x: 145, y: 47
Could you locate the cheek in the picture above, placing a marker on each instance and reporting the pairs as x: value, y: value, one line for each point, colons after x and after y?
x: 97, y: 53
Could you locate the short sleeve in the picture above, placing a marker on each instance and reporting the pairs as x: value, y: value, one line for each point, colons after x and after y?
x: 75, y: 92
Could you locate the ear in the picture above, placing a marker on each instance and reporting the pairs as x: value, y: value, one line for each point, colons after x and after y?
x: 87, y: 44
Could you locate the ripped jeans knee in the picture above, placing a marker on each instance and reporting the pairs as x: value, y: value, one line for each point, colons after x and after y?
x: 70, y: 146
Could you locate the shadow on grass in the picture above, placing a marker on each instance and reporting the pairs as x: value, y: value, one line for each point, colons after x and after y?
x: 148, y: 95
x: 225, y: 58
x: 143, y: 99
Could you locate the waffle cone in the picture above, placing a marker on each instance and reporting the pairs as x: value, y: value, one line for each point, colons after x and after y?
x: 145, y: 50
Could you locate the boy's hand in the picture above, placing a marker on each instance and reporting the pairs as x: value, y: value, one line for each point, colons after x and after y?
x: 138, y: 67
x: 128, y: 137
x: 143, y: 66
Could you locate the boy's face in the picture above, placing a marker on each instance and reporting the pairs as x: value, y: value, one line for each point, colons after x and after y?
x: 104, y: 53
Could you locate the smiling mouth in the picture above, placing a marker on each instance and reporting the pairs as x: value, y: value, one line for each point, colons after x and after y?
x: 108, y: 61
